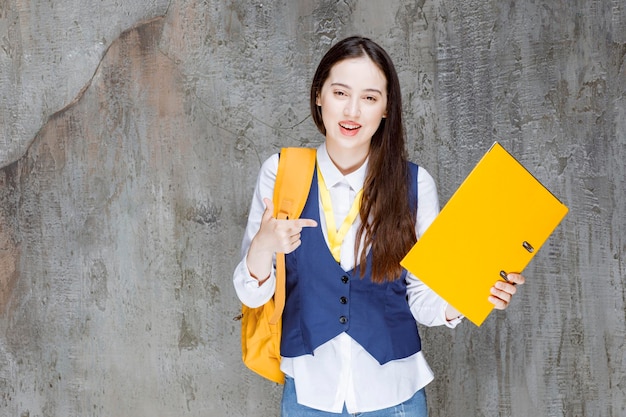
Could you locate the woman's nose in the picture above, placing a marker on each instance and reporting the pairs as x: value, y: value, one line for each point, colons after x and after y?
x: 352, y: 108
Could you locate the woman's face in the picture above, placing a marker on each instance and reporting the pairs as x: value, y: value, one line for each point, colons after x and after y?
x: 353, y: 102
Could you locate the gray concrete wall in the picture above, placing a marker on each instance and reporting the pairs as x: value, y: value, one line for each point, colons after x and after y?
x: 130, y: 138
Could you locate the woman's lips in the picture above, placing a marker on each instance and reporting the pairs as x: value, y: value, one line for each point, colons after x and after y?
x: 349, y: 128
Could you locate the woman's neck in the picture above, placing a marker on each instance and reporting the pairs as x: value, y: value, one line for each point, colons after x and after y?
x: 347, y: 160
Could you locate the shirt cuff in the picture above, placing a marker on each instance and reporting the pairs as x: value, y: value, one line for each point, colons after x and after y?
x: 248, y: 289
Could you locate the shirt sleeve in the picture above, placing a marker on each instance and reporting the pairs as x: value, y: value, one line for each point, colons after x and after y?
x: 247, y: 287
x: 427, y: 307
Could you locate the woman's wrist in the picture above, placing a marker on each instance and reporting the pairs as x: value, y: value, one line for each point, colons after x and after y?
x: 452, y: 313
x: 259, y: 263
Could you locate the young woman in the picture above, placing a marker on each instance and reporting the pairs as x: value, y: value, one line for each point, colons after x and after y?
x: 350, y: 342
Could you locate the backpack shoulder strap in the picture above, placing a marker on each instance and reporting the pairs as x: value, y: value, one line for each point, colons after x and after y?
x: 293, y: 181
x: 295, y: 172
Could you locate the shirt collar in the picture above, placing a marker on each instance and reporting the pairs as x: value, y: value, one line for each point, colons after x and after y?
x: 332, y: 175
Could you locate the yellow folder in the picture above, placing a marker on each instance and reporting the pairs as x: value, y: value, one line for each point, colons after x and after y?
x: 493, y: 224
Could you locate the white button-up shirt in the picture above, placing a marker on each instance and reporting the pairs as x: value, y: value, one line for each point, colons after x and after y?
x: 341, y: 371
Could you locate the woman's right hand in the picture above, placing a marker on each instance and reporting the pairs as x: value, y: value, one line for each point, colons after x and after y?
x: 274, y: 236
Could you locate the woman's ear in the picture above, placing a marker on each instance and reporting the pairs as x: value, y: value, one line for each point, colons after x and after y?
x: 317, y: 100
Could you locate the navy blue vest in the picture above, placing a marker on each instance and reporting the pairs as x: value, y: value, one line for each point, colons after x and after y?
x: 323, y: 300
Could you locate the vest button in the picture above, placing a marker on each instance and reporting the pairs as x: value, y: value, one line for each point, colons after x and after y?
x: 345, y: 279
x: 343, y: 300
x: 343, y: 319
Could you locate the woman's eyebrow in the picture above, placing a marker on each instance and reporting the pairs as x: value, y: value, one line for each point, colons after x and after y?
x: 373, y: 90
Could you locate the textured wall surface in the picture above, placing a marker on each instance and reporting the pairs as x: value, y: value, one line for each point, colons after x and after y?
x: 130, y: 138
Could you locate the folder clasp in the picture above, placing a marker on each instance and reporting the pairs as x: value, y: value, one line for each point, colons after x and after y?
x: 528, y: 247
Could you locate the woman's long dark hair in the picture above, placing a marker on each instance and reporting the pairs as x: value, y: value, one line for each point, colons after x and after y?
x: 387, y: 220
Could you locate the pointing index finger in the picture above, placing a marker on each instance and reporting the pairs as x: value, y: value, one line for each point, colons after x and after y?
x: 305, y: 223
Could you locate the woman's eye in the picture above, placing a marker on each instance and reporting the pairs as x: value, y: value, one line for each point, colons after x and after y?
x: 340, y: 93
x: 370, y: 98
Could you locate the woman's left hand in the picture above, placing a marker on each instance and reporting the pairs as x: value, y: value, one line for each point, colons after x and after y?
x: 502, y: 292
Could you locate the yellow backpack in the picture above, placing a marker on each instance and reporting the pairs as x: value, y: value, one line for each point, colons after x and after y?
x: 261, y: 327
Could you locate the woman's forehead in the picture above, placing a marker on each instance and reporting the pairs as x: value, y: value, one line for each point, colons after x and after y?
x: 360, y: 72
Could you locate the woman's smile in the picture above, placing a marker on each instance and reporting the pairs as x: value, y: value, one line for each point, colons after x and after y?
x: 349, y: 128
